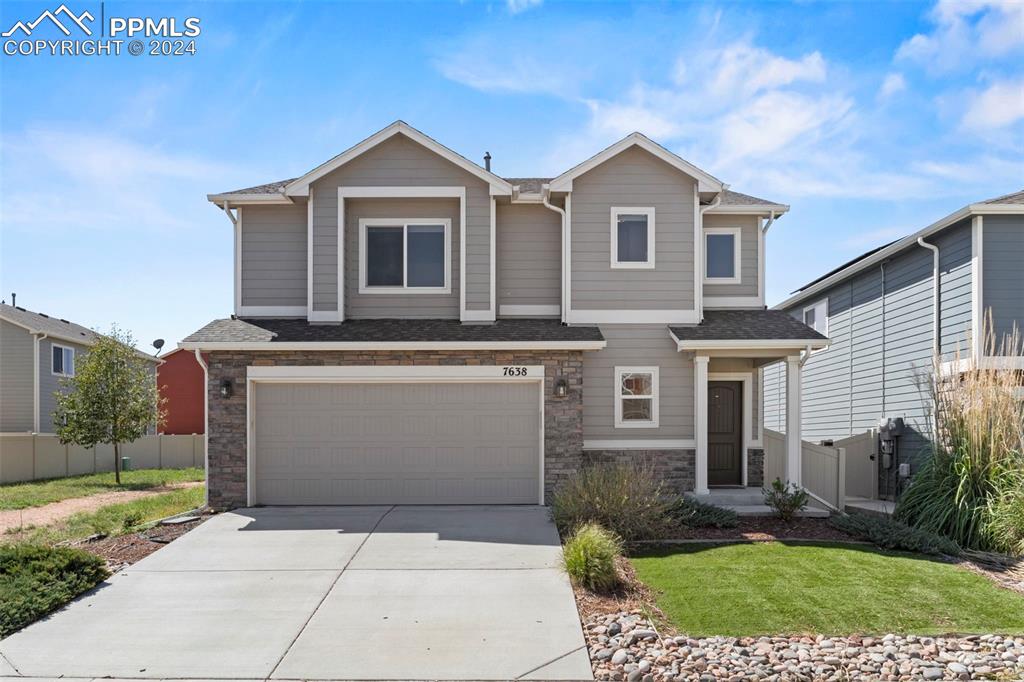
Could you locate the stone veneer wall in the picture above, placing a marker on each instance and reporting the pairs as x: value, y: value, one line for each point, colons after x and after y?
x: 675, y: 467
x: 563, y: 417
x: 755, y: 468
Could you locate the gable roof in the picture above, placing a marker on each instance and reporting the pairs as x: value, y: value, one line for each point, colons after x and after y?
x: 705, y: 181
x: 1007, y: 204
x: 300, y: 186
x: 54, y: 327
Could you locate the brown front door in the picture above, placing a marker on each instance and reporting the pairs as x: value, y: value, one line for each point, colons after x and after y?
x: 725, y: 433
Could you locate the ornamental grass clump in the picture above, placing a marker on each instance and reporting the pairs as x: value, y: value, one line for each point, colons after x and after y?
x: 627, y: 499
x: 969, y: 489
x: 590, y: 556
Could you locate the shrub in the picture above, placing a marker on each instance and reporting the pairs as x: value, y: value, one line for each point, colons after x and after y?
x: 695, y: 514
x: 889, y: 533
x: 966, y: 488
x: 131, y: 519
x: 786, y: 499
x: 36, y: 579
x: 1005, y: 523
x: 590, y: 558
x: 627, y: 499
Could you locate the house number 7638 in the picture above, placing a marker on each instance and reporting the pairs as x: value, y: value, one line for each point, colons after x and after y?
x: 514, y: 371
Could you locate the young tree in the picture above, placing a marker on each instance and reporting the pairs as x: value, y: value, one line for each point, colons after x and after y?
x: 112, y: 397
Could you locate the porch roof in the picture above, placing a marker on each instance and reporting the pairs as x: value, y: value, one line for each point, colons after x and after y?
x: 747, y: 329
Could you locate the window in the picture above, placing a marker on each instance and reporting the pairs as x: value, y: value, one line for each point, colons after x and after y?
x: 816, y: 316
x: 63, y: 361
x: 405, y: 256
x: 632, y: 237
x: 636, y: 397
x: 722, y: 255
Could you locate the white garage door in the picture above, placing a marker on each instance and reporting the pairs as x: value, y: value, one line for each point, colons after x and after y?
x: 408, y: 443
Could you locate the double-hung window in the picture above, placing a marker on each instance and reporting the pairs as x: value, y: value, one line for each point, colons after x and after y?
x: 632, y: 237
x: 722, y: 255
x: 62, y: 361
x: 404, y: 256
x: 636, y: 397
x: 816, y: 316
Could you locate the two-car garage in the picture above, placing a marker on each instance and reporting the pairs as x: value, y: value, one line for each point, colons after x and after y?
x: 394, y: 435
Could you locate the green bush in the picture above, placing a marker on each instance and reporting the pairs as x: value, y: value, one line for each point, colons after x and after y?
x: 786, y: 499
x: 889, y: 533
x: 1005, y: 523
x: 627, y: 499
x: 695, y: 514
x: 589, y: 557
x: 36, y: 579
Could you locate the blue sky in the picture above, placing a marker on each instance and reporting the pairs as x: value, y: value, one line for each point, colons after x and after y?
x: 870, y: 119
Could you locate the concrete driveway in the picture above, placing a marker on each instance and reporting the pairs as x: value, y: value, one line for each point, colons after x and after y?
x: 327, y: 593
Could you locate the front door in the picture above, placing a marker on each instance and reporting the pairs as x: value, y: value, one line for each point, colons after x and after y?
x: 725, y: 433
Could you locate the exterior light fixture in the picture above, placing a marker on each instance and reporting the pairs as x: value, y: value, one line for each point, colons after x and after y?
x: 561, y: 388
x: 226, y: 388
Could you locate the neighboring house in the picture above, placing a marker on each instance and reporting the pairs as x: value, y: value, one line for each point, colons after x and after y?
x: 36, y: 352
x: 180, y: 380
x: 410, y: 327
x: 886, y: 321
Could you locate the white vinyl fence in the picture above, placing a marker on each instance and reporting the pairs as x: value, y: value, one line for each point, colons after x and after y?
x: 28, y: 457
x: 823, y: 470
x: 861, y: 464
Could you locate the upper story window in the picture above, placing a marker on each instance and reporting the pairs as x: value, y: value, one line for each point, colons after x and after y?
x: 63, y: 361
x: 816, y: 316
x: 632, y: 237
x: 636, y: 397
x: 722, y: 255
x: 405, y: 256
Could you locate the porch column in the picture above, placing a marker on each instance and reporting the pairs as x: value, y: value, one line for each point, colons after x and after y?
x: 793, y: 436
x: 700, y: 416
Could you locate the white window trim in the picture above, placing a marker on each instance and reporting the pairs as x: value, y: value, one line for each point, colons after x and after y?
x: 65, y: 373
x: 655, y: 397
x: 737, y: 234
x: 648, y: 211
x: 823, y: 305
x: 404, y: 223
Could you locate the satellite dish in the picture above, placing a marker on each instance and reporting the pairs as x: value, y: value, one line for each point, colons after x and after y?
x: 158, y: 344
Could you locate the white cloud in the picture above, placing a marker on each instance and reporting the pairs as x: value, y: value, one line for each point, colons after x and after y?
x: 750, y: 69
x: 893, y: 83
x: 517, y: 6
x: 966, y: 31
x: 998, y: 106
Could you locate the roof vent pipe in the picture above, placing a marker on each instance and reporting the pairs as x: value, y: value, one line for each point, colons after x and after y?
x: 487, y: 161
x: 14, y: 300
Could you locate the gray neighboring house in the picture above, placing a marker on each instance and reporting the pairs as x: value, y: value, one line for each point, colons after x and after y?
x: 886, y: 321
x: 36, y: 352
x: 410, y: 327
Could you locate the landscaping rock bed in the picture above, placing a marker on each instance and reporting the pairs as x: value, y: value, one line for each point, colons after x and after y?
x: 626, y: 645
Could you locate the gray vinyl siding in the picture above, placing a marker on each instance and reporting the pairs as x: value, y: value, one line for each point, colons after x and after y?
x: 1003, y: 272
x: 358, y: 306
x: 638, y: 346
x: 634, y: 178
x: 749, y: 260
x: 49, y: 383
x: 400, y: 161
x: 17, y: 389
x: 881, y: 347
x: 529, y: 255
x: 274, y: 255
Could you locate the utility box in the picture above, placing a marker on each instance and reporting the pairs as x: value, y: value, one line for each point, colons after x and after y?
x: 126, y: 463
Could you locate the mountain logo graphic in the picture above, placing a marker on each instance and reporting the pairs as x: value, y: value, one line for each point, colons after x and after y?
x: 78, y: 20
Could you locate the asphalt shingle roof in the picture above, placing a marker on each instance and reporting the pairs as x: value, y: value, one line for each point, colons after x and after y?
x: 268, y: 188
x: 389, y: 330
x: 46, y: 324
x: 731, y: 198
x: 746, y: 325
x: 1012, y: 198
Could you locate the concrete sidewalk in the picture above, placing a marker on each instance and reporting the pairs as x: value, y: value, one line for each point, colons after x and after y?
x: 327, y: 593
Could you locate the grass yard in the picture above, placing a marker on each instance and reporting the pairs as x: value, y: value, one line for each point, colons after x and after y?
x: 38, y: 493
x: 776, y: 588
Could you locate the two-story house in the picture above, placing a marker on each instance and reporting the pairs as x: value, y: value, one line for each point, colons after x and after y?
x: 409, y: 327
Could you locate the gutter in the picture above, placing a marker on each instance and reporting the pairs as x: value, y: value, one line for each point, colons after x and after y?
x: 545, y: 199
x: 206, y: 426
x: 936, y: 294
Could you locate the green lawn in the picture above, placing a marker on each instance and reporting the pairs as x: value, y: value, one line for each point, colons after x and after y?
x: 776, y: 588
x: 38, y: 493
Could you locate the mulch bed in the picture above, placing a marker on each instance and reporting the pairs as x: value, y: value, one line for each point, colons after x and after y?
x: 120, y: 551
x: 768, y: 528
x: 631, y: 596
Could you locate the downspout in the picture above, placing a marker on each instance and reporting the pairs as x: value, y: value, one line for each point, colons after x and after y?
x: 206, y: 426
x: 936, y: 291
x: 767, y: 225
x: 698, y: 296
x: 227, y: 211
x: 35, y: 381
x: 545, y: 196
